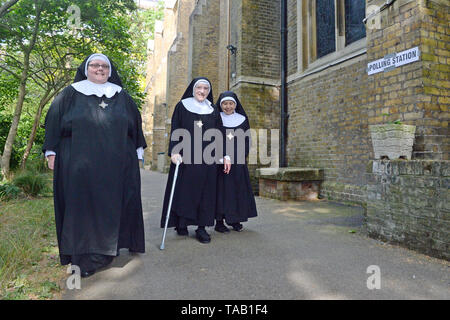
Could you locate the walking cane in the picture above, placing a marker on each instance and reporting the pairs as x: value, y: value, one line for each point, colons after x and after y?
x: 170, y: 205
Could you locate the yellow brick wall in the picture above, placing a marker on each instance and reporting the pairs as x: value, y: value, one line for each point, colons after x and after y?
x: 330, y: 111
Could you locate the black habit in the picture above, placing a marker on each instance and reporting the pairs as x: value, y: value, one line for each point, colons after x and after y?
x: 235, y: 198
x: 194, y: 199
x: 97, y: 188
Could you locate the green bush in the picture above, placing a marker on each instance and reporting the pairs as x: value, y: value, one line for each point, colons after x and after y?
x: 31, y: 183
x: 38, y: 165
x: 9, y: 191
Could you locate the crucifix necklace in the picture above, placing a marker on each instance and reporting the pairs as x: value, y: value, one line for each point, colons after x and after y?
x: 103, y: 104
x: 199, y: 123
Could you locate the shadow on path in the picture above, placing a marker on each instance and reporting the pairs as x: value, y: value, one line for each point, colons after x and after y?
x: 292, y: 250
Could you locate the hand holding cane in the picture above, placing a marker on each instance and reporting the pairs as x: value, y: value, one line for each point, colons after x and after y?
x: 170, y: 204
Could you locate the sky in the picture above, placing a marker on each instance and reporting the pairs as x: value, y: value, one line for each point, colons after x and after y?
x: 146, y: 3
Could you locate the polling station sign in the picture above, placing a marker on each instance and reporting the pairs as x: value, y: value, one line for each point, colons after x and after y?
x: 393, y: 60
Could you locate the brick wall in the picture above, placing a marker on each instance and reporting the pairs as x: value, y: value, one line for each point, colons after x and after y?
x: 292, y: 36
x: 166, y: 38
x: 435, y: 47
x: 261, y: 104
x: 260, y: 38
x: 222, y: 52
x: 415, y: 93
x: 330, y: 110
x: 328, y: 128
x: 155, y: 111
x: 147, y: 109
x: 255, y: 31
x: 408, y: 203
x: 177, y: 56
x: 177, y: 65
x: 204, y: 42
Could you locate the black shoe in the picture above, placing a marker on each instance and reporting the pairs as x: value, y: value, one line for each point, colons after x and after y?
x: 202, y: 236
x: 220, y: 227
x: 85, y: 274
x: 237, y: 227
x: 182, y: 231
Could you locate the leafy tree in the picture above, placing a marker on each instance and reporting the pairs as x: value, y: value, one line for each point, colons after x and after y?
x: 24, y: 39
x: 115, y: 28
x: 39, y: 27
x: 5, y: 6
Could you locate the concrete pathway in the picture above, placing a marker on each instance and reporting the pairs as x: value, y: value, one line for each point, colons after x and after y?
x: 292, y: 250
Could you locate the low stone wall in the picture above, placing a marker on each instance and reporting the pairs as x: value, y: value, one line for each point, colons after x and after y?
x: 408, y: 203
x: 289, y: 183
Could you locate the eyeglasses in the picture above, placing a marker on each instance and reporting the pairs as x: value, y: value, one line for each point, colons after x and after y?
x: 96, y: 66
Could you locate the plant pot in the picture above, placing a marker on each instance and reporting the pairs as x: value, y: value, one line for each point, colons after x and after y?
x: 392, y: 141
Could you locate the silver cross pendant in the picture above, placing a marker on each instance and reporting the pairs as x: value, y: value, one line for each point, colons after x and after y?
x: 103, y: 104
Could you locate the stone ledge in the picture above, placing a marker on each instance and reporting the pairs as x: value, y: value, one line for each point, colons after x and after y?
x: 301, y: 184
x: 438, y: 168
x: 290, y: 174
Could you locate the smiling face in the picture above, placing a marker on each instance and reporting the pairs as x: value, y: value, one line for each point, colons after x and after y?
x: 228, y: 107
x: 98, y: 71
x: 201, y: 92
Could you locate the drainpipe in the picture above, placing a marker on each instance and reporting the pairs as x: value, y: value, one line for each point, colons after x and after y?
x: 228, y: 42
x: 283, y: 90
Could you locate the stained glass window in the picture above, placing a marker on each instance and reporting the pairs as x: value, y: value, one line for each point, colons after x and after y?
x: 354, y: 14
x: 325, y: 25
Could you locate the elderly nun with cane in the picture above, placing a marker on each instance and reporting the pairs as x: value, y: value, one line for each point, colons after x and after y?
x: 93, y: 142
x: 194, y: 195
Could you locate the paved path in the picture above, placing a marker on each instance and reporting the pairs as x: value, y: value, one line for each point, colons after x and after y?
x: 292, y: 250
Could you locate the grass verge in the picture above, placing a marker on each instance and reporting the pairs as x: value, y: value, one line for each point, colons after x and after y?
x: 29, y: 259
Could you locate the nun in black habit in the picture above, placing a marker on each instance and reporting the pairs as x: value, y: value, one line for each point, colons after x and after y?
x: 235, y: 198
x: 93, y: 142
x: 194, y: 199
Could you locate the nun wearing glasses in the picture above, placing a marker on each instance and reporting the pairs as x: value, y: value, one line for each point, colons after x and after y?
x: 93, y: 143
x: 194, y: 199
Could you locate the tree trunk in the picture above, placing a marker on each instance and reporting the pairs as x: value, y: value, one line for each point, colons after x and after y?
x: 7, y: 151
x: 6, y: 6
x: 45, y: 99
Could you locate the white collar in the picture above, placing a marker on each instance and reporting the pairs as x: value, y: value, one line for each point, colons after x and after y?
x: 88, y: 88
x: 192, y: 105
x: 232, y: 120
